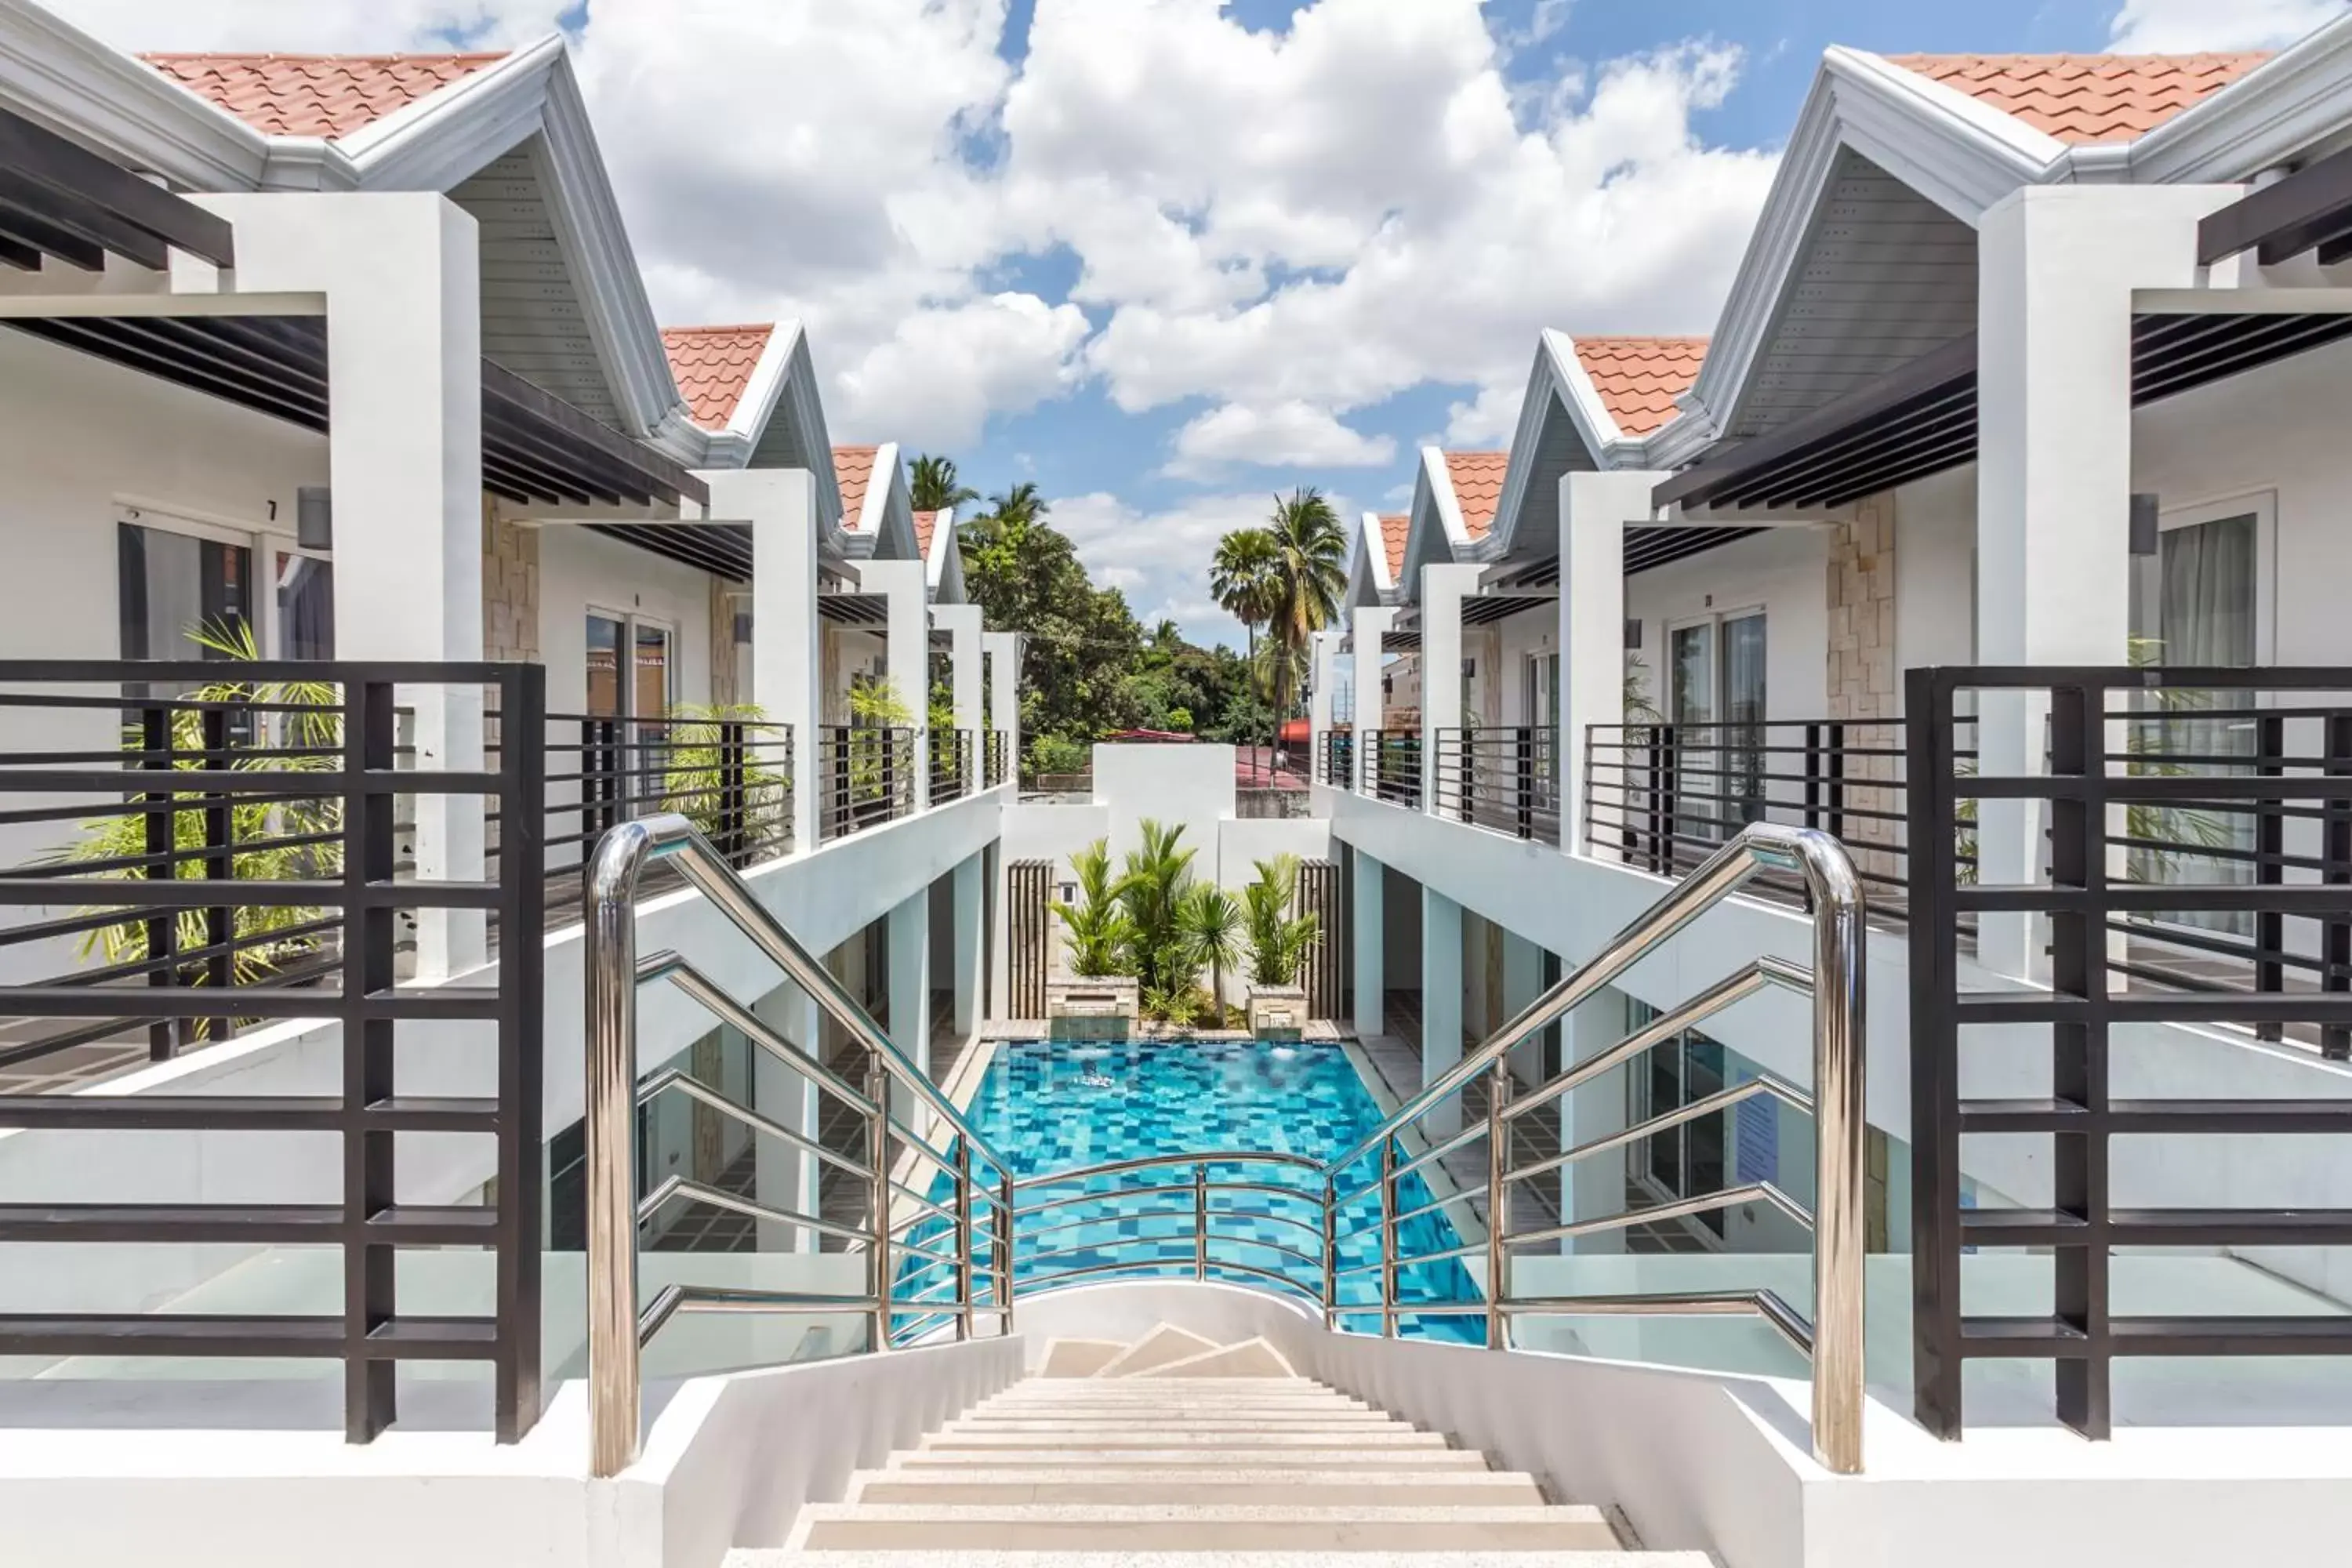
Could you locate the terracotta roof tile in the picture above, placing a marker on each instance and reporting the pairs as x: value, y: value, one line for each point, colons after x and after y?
x: 927, y: 523
x: 1394, y: 527
x: 712, y: 367
x: 853, y: 470
x: 316, y: 95
x: 2086, y: 98
x: 1639, y: 378
x: 1477, y: 487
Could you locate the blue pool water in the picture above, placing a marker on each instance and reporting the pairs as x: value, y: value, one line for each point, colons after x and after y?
x: 1048, y: 1107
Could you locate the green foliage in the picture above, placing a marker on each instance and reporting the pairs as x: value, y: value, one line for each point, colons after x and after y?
x: 932, y: 484
x: 1179, y: 1007
x: 1096, y: 925
x: 1056, y: 754
x: 1311, y: 572
x: 1210, y: 922
x: 1638, y: 709
x: 694, y: 774
x: 1152, y: 885
x: 275, y: 836
x: 1278, y: 937
x: 875, y: 709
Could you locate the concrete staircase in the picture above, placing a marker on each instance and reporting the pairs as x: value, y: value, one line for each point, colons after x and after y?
x: 1177, y: 1447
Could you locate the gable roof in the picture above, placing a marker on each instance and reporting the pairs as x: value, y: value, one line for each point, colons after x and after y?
x: 713, y: 367
x: 328, y: 96
x: 1478, y: 482
x: 1639, y: 378
x: 2081, y: 99
x: 853, y: 470
x: 926, y: 524
x: 1393, y: 526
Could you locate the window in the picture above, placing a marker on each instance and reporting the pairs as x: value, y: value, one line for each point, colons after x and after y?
x: 648, y: 688
x: 305, y: 604
x: 1714, y: 678
x: 1687, y: 1160
x: 172, y: 583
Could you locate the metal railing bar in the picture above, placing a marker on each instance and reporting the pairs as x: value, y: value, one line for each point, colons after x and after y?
x: 1767, y: 1304
x: 1466, y: 1195
x: 1779, y: 1089
x: 719, y: 1197
x: 695, y: 1089
x: 1315, y: 1225
x: 1680, y: 1208
x: 1462, y: 1139
x: 1748, y: 980
x: 1308, y: 1259
x: 1145, y: 1162
x: 930, y: 1210
x: 676, y: 1298
x: 1100, y: 1219
x: 674, y: 968
x: 1025, y: 1211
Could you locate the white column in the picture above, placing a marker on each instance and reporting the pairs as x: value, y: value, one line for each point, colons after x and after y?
x: 907, y: 651
x: 909, y: 965
x: 1593, y: 511
x: 2056, y: 268
x: 786, y: 1178
x: 1442, y: 589
x: 966, y: 903
x: 778, y: 505
x: 1370, y: 920
x: 1441, y: 1003
x: 961, y: 623
x: 1593, y: 1188
x: 1326, y: 646
x: 401, y: 273
x: 1372, y: 623
x: 1003, y: 650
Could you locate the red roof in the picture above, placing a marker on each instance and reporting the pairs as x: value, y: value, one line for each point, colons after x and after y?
x: 713, y: 367
x: 1395, y: 527
x: 2086, y: 98
x: 316, y: 95
x: 927, y: 523
x: 1477, y: 488
x: 1639, y: 378
x: 853, y: 470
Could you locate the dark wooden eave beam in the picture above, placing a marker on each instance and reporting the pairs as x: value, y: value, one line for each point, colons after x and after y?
x: 2310, y: 207
x: 70, y: 185
x: 672, y: 481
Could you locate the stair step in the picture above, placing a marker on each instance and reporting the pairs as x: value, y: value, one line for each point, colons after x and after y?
x: 1250, y: 1358
x: 1186, y: 1424
x: 1199, y: 1527
x: 1382, y: 1460
x: 1392, y: 1436
x: 1163, y: 1344
x: 1077, y: 1358
x: 1089, y: 1484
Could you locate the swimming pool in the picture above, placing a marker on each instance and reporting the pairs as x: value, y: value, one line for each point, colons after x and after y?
x: 1050, y: 1105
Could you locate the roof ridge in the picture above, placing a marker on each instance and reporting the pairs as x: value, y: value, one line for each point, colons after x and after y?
x: 295, y: 55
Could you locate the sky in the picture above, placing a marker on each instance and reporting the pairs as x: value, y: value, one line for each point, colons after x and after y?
x: 1166, y: 259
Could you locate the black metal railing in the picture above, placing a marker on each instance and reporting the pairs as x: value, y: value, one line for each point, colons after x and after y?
x: 1337, y: 764
x: 996, y: 758
x: 205, y: 846
x: 732, y: 778
x: 1394, y: 757
x: 1665, y: 796
x: 865, y: 777
x: 951, y: 765
x: 2198, y: 872
x: 1504, y: 779
x: 1276, y: 767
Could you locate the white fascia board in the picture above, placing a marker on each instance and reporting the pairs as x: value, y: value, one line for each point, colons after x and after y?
x: 942, y: 569
x: 1368, y: 566
x: 58, y: 75
x: 1961, y: 154
x: 889, y: 512
x: 450, y: 134
x: 1526, y: 441
x: 2298, y: 97
x: 1435, y: 534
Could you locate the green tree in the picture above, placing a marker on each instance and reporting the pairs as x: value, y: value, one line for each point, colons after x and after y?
x: 934, y: 486
x: 1311, y: 572
x: 1152, y: 885
x: 1277, y: 937
x: 1243, y: 580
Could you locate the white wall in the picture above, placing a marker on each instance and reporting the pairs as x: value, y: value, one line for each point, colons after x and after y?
x: 79, y: 440
x: 579, y: 570
x: 1191, y: 786
x: 1935, y: 571
x: 1784, y: 572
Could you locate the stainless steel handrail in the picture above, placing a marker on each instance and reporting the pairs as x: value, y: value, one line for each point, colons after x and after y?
x: 616, y: 1330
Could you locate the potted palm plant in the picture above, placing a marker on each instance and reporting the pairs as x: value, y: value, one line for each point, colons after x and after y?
x: 1212, y: 922
x: 1099, y: 1000
x: 1278, y: 940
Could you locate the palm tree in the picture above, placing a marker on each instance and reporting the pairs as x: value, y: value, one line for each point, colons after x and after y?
x: 1151, y: 889
x: 1166, y: 636
x: 1278, y: 939
x: 1242, y: 580
x: 1022, y: 503
x: 934, y: 486
x: 1212, y: 923
x: 1096, y: 924
x: 1311, y: 572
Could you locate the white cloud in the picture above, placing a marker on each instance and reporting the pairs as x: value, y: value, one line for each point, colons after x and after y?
x: 940, y: 373
x: 1160, y: 560
x: 2182, y: 26
x: 1292, y: 435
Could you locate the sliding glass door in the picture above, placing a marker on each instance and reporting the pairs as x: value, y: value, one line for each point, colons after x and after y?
x: 1715, y: 702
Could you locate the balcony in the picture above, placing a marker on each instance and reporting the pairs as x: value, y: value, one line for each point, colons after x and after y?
x: 1504, y: 779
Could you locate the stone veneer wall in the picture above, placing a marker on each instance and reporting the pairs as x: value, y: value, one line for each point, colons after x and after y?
x: 1863, y: 681
x: 509, y: 588
x: 723, y: 687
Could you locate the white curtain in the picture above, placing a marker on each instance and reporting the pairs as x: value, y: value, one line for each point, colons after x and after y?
x: 2206, y: 608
